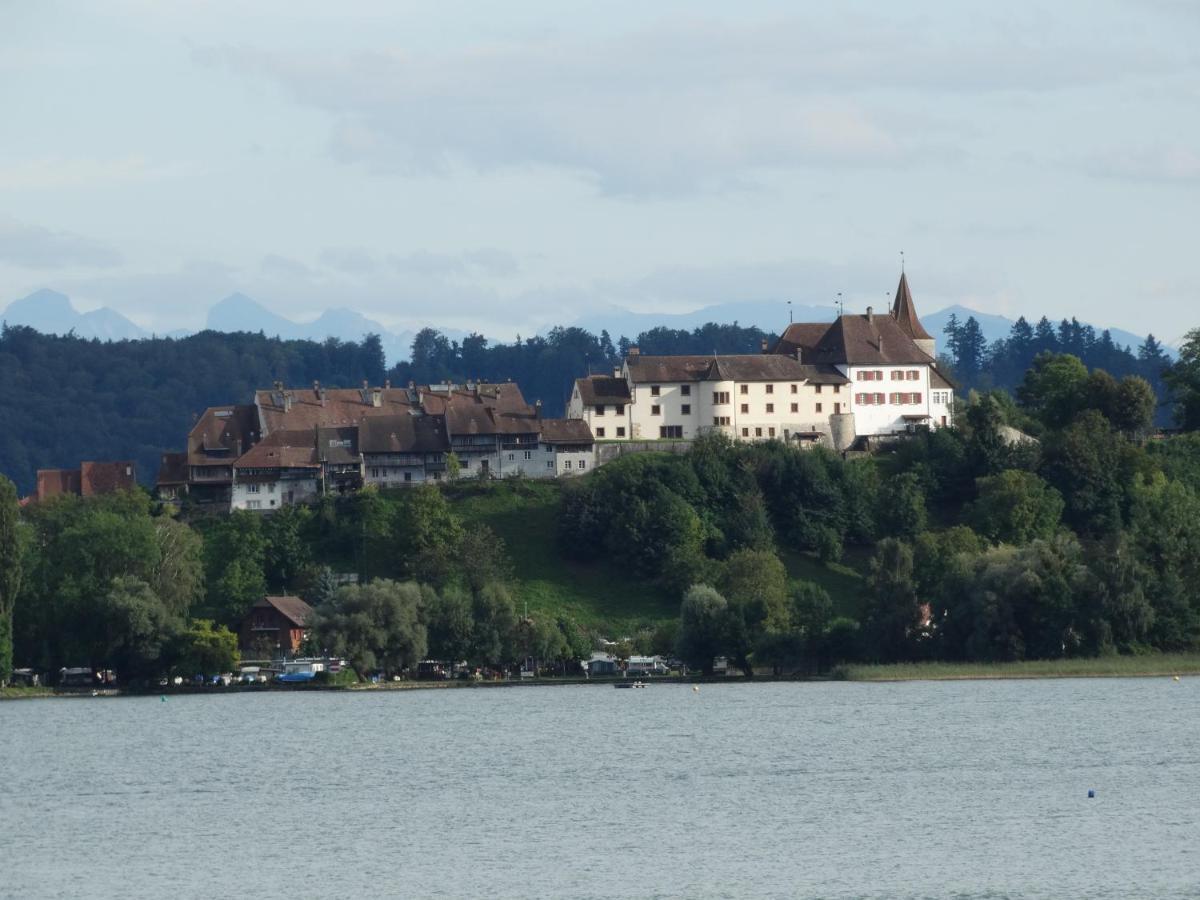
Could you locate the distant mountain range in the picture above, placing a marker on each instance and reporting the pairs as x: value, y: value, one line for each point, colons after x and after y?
x: 52, y: 313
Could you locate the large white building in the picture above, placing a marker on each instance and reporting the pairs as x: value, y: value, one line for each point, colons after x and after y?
x: 861, y: 376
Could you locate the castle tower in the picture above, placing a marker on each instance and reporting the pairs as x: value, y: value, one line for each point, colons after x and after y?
x: 905, y: 314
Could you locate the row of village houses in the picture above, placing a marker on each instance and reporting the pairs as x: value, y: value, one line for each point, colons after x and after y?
x: 841, y: 384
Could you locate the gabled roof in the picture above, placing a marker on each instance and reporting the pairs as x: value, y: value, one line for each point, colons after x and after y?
x: 595, y: 390
x: 106, y: 477
x: 566, y: 431
x: 803, y: 336
x: 866, y: 340
x: 940, y: 381
x: 307, y: 408
x: 905, y: 313
x: 748, y: 367
x: 221, y: 434
x: 55, y: 482
x: 405, y: 433
x: 172, y: 469
x: 293, y: 609
x: 338, y: 446
x: 281, y: 450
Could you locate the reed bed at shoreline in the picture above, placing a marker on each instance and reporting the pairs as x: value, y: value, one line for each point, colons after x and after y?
x: 1150, y: 665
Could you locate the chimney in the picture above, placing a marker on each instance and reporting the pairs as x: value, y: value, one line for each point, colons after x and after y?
x: 537, y: 408
x: 366, y: 384
x: 764, y: 345
x: 287, y: 401
x: 616, y: 371
x: 316, y: 387
x: 799, y: 353
x: 321, y: 396
x: 634, y: 351
x: 377, y: 397
x: 870, y: 315
x: 387, y: 384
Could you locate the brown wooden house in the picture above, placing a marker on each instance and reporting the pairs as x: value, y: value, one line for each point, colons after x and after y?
x: 274, y: 625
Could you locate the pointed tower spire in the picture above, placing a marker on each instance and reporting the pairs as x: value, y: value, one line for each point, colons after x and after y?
x: 904, y: 311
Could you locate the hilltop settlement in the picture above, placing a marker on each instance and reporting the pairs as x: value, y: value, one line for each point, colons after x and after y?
x: 861, y: 379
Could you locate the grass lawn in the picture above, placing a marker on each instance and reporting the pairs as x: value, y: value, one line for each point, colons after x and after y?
x: 1164, y: 664
x: 18, y: 693
x: 845, y: 581
x: 524, y: 514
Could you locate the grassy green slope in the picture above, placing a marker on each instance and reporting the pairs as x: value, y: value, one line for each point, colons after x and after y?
x: 524, y: 514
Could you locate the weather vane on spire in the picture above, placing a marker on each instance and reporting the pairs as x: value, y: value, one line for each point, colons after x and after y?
x: 901, y: 262
x: 841, y: 308
x: 789, y: 312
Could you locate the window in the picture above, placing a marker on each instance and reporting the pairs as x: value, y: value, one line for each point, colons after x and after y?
x: 770, y: 407
x: 795, y: 389
x: 374, y: 473
x: 818, y: 407
x: 466, y: 464
x: 745, y: 432
x: 686, y: 390
x: 583, y: 463
x: 817, y: 388
x: 720, y: 397
x: 837, y: 388
x: 685, y: 409
x: 620, y: 408
x: 512, y: 456
x: 600, y: 432
x: 745, y: 408
x: 878, y: 401
x: 549, y: 464
x: 721, y: 421
x: 408, y: 476
x: 529, y: 453
x: 914, y: 375
x: 270, y: 488
x: 654, y: 390
x: 253, y: 504
x: 897, y: 375
x: 864, y: 399
x: 670, y: 431
x: 758, y: 432
x: 745, y: 389
x: 620, y: 431
x: 916, y: 398
x: 837, y: 409
x: 796, y: 407
x: 567, y: 464
x: 253, y: 488
x: 864, y: 375
x: 599, y: 409
x: 770, y: 388
x: 656, y: 410
x: 770, y: 432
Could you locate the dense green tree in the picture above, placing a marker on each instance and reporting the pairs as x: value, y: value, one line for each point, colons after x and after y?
x: 1183, y: 379
x: 703, y: 627
x: 286, y: 552
x: 177, y: 577
x: 902, y: 512
x: 894, y: 614
x: 204, y: 649
x: 1015, y: 507
x: 1055, y: 388
x: 1135, y: 406
x: 451, y: 625
x: 754, y: 583
x: 10, y: 573
x: 234, y: 559
x: 493, y: 641
x: 134, y: 629
x: 426, y: 534
x: 1084, y: 461
x: 482, y: 558
x: 378, y: 626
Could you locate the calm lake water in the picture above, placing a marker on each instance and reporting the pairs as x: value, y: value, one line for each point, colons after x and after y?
x: 967, y: 789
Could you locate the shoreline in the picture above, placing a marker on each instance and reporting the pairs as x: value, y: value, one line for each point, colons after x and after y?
x: 1187, y: 665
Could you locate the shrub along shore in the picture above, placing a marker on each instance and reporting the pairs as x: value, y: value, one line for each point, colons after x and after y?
x: 1148, y: 666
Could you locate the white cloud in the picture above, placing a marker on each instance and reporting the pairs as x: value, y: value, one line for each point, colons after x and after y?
x: 682, y: 106
x: 1174, y: 163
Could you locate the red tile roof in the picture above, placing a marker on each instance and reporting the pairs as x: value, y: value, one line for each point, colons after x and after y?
x: 56, y: 482
x: 905, y: 313
x: 607, y: 389
x: 106, y: 477
x: 293, y: 609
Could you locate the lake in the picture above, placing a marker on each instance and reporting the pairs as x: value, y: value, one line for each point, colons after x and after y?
x: 954, y: 789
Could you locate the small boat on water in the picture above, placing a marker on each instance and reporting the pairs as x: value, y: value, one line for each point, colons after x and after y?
x: 630, y: 684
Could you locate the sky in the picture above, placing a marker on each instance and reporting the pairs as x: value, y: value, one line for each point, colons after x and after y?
x: 505, y: 167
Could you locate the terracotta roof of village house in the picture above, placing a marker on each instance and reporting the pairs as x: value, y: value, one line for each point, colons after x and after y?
x: 232, y: 429
x: 327, y: 407
x: 292, y: 608
x: 404, y: 433
x: 566, y: 431
x: 338, y: 445
x: 742, y: 367
x: 55, y: 482
x: 801, y: 335
x: 281, y: 450
x: 172, y: 469
x: 597, y: 389
x: 106, y: 477
x: 905, y: 313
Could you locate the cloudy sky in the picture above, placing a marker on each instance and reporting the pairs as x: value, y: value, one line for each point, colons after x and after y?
x: 506, y: 166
